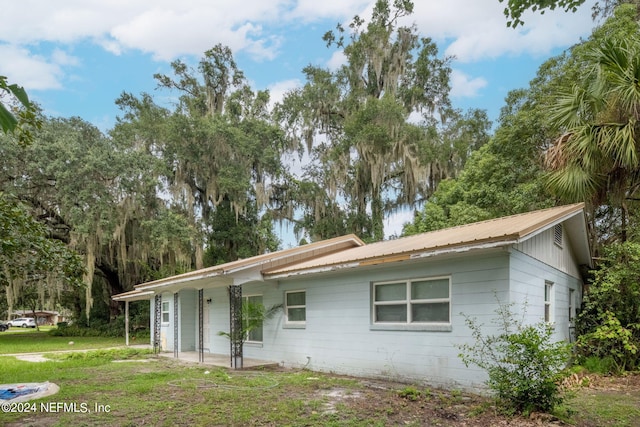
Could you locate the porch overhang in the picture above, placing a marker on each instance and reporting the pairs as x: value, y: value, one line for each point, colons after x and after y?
x: 135, y: 295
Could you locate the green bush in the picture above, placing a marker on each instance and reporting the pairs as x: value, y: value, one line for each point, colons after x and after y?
x: 612, y: 342
x: 96, y: 329
x: 524, y: 365
x: 608, y: 325
x: 595, y: 364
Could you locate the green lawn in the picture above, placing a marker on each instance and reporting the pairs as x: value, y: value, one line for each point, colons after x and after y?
x: 19, y: 340
x: 147, y: 389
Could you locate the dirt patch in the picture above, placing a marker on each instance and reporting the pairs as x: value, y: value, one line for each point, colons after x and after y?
x: 629, y: 382
x: 35, y: 357
x: 392, y: 406
x: 335, y: 396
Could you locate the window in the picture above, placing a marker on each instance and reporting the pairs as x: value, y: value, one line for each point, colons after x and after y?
x: 296, y: 307
x: 572, y: 313
x: 252, y: 304
x: 413, y: 301
x: 165, y: 311
x: 548, y: 301
x: 557, y: 235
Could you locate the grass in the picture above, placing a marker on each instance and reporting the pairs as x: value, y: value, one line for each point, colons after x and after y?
x: 606, y: 409
x: 160, y: 391
x: 602, y: 399
x: 163, y: 392
x: 18, y: 340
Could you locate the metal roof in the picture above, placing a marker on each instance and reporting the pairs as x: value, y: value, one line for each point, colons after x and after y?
x: 491, y: 233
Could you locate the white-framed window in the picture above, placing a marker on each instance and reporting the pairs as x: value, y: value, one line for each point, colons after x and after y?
x: 165, y: 312
x: 572, y: 304
x: 253, y: 303
x: 548, y: 301
x: 296, y: 307
x: 416, y: 301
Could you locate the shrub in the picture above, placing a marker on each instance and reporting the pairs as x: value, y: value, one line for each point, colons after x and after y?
x: 595, y: 364
x: 613, y: 342
x: 608, y: 325
x: 524, y: 365
x: 113, y: 329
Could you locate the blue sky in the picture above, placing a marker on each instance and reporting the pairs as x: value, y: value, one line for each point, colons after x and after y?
x: 75, y: 57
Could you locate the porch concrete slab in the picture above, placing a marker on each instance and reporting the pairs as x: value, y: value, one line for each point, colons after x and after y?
x: 221, y: 360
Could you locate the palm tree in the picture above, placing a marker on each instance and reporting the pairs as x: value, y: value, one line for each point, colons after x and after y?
x: 597, y: 157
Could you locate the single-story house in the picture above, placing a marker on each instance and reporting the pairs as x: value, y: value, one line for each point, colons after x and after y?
x: 393, y: 309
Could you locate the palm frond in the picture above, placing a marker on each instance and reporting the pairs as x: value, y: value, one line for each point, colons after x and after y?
x: 572, y: 183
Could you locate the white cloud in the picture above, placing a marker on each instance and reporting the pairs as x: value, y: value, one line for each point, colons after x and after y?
x: 476, y: 29
x: 278, y: 90
x: 164, y: 28
x: 311, y: 10
x: 61, y: 57
x: 463, y: 86
x: 30, y: 71
x: 337, y: 60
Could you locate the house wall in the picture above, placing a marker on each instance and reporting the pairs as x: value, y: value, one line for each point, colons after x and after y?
x: 528, y: 278
x: 339, y: 335
x: 543, y: 248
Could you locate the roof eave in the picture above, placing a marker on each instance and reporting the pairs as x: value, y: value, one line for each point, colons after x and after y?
x: 406, y: 256
x: 133, y: 296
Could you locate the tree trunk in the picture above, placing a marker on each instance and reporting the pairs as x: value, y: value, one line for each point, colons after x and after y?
x: 87, y: 278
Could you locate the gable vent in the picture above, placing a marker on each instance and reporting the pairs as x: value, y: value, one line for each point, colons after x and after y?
x: 557, y: 234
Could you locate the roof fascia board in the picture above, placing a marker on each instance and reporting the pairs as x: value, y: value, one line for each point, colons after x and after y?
x: 169, y: 283
x: 399, y: 258
x: 134, y: 297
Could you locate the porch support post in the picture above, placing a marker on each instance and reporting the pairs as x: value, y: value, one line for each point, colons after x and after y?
x: 235, y: 326
x: 175, y: 325
x: 201, y: 325
x: 126, y: 323
x: 157, y: 315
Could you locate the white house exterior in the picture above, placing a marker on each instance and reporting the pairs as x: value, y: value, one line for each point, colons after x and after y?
x: 393, y: 309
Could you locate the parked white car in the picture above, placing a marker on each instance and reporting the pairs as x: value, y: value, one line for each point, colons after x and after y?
x: 24, y: 322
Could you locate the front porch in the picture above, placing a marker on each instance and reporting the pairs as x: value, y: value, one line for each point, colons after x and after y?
x: 220, y: 360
